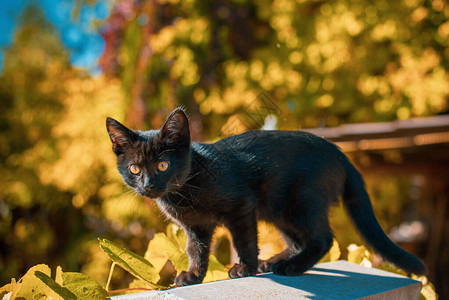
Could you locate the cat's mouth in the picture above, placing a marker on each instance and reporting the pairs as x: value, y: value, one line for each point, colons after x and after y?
x: 151, y: 193
x: 155, y: 192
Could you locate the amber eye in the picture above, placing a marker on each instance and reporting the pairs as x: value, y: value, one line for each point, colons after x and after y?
x: 134, y: 169
x: 162, y: 166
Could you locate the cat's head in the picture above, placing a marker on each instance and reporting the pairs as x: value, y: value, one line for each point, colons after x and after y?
x: 156, y: 161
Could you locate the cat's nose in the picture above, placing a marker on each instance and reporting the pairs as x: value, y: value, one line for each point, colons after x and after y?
x: 148, y: 184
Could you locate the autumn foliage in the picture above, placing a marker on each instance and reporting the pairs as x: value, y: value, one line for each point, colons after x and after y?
x: 318, y: 63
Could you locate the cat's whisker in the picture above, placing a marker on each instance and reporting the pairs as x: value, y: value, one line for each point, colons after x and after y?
x: 192, y: 176
x: 168, y: 150
x: 192, y: 186
x: 128, y: 193
x: 196, y: 200
x: 177, y: 202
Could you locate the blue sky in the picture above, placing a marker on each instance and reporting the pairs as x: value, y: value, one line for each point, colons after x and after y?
x: 83, y: 40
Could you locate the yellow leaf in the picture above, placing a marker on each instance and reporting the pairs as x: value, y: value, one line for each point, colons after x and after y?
x: 58, y: 276
x: 356, y: 254
x: 162, y: 248
x: 176, y: 235
x: 429, y: 293
x: 335, y: 251
x: 215, y: 271
x: 155, y: 254
x: 333, y: 254
x: 270, y: 241
x: 30, y: 284
x: 59, y: 291
x: 9, y: 289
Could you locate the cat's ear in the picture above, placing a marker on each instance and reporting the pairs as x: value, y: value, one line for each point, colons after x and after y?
x: 120, y: 135
x: 176, y: 130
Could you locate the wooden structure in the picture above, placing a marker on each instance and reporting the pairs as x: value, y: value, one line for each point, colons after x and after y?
x: 415, y: 147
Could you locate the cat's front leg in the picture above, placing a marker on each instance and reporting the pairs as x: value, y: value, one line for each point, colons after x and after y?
x: 243, y: 229
x: 198, y: 248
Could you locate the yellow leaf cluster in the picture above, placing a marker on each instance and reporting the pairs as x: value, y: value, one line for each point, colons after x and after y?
x: 421, y: 80
x: 82, y: 140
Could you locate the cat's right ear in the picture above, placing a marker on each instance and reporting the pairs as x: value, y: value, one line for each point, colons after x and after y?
x: 120, y: 135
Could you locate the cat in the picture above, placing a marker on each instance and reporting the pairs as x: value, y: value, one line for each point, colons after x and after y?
x: 287, y: 178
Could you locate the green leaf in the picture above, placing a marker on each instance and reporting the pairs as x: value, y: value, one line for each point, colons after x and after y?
x: 136, y: 283
x: 83, y: 286
x: 54, y: 286
x: 131, y: 262
x: 140, y: 285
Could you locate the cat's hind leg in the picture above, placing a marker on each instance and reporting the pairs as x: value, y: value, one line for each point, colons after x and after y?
x: 291, y: 249
x: 314, y: 250
x: 311, y: 230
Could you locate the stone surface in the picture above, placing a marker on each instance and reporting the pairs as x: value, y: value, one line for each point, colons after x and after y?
x: 337, y: 280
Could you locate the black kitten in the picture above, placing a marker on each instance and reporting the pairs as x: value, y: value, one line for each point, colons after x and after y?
x: 288, y: 178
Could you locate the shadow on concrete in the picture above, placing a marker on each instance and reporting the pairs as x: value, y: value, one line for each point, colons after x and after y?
x: 323, y: 283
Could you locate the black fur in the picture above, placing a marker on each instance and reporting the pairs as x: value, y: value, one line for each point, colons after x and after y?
x: 288, y: 178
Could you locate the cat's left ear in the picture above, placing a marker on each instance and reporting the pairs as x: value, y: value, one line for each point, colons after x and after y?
x: 176, y: 130
x: 120, y: 135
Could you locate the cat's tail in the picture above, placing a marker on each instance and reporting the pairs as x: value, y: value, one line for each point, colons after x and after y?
x: 358, y: 205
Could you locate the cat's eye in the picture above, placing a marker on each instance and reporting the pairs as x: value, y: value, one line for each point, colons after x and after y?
x: 134, y: 169
x: 162, y: 166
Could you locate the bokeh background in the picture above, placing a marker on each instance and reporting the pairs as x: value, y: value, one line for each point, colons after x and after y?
x: 66, y: 65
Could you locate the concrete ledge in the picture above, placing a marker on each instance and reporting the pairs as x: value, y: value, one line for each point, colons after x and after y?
x: 337, y: 280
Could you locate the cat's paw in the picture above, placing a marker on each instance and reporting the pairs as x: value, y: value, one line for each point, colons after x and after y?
x: 241, y: 271
x: 286, y: 268
x: 187, y: 278
x: 264, y: 266
x: 278, y: 267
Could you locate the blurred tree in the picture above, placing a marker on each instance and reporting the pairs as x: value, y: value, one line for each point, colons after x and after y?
x: 59, y: 187
x: 323, y: 63
x: 231, y: 62
x: 30, y: 106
